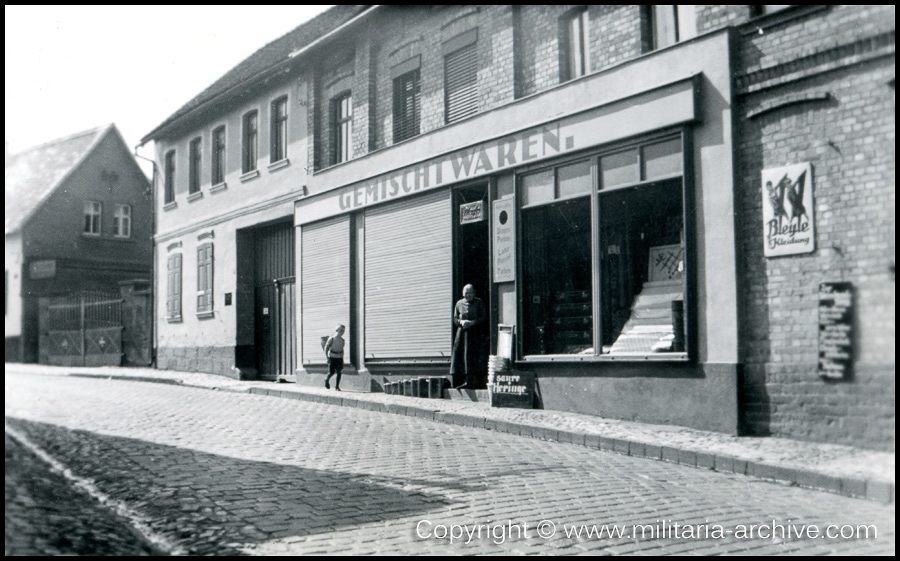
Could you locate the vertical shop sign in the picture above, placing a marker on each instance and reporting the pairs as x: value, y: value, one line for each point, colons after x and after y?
x: 504, y: 240
x: 835, y: 330
x: 788, y: 215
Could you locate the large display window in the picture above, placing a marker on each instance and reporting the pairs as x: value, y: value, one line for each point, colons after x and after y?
x: 603, y: 255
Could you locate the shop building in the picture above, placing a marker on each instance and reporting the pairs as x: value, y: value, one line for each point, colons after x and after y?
x: 587, y: 169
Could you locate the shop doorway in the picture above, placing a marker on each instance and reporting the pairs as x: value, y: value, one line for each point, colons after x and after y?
x: 471, y: 253
x: 274, y: 302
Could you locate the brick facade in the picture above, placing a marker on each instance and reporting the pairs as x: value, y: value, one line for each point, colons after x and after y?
x: 811, y: 85
x: 810, y: 94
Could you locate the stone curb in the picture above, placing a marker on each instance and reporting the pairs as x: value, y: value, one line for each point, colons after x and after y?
x: 880, y: 491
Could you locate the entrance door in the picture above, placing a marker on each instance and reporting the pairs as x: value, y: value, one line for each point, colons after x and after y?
x: 275, y: 341
x: 471, y: 261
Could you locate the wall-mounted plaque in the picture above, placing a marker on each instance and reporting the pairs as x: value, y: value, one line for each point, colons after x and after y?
x: 788, y: 216
x: 835, y: 330
x: 504, y: 244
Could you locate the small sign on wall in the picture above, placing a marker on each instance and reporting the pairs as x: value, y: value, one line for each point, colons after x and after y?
x: 504, y: 240
x: 835, y: 330
x: 471, y: 212
x: 42, y: 269
x: 788, y: 214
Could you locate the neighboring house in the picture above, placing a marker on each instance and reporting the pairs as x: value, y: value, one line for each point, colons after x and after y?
x: 78, y: 236
x: 596, y: 172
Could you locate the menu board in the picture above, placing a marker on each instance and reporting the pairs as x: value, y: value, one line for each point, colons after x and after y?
x: 835, y: 330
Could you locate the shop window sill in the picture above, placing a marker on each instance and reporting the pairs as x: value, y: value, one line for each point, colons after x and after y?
x: 618, y: 357
x: 279, y: 164
x: 249, y: 175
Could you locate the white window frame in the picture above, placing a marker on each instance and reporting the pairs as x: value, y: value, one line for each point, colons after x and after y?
x: 122, y: 221
x: 93, y: 212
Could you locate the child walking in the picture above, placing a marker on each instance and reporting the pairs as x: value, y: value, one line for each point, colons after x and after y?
x: 334, y: 352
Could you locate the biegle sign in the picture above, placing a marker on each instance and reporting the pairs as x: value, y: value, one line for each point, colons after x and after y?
x: 788, y: 214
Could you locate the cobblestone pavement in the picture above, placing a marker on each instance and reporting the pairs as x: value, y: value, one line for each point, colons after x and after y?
x: 46, y: 515
x: 223, y: 473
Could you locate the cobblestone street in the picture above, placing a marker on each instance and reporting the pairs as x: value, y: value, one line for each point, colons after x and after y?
x: 227, y: 473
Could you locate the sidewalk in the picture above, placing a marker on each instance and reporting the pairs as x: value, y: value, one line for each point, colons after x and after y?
x: 837, y: 469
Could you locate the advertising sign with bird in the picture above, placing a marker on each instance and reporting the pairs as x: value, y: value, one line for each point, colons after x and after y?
x: 788, y: 217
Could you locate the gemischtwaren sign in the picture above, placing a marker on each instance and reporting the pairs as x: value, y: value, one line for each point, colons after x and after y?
x: 664, y: 107
x: 788, y: 217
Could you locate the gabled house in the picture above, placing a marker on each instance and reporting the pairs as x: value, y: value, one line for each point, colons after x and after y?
x: 78, y: 226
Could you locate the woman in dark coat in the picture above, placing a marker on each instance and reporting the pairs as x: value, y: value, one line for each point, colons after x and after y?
x: 469, y: 316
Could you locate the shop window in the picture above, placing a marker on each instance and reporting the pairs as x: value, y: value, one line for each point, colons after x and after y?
x: 630, y: 247
x: 557, y: 278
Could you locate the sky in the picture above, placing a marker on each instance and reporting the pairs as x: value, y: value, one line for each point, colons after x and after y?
x: 73, y: 68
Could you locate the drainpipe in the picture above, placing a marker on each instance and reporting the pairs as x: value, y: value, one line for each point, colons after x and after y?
x: 153, y: 329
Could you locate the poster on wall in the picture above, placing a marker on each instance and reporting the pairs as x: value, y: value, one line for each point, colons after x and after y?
x: 788, y: 225
x: 504, y: 240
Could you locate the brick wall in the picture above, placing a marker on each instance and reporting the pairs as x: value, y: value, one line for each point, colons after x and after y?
x: 810, y: 92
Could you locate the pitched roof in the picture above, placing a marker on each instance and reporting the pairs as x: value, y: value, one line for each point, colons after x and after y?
x: 278, y: 51
x: 32, y: 175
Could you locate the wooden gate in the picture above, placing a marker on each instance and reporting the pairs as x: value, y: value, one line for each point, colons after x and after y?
x: 276, y: 343
x: 82, y: 329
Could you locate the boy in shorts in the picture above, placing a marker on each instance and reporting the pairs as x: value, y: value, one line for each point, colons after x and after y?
x: 334, y: 352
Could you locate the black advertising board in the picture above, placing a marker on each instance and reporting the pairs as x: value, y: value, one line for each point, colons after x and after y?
x: 513, y: 389
x: 835, y: 330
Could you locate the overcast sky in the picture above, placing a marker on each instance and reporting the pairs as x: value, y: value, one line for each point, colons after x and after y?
x: 72, y: 68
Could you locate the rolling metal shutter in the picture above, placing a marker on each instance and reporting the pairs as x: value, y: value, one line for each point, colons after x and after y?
x: 408, y: 284
x: 325, y: 285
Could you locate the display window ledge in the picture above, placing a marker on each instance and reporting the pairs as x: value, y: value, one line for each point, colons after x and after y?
x: 618, y: 357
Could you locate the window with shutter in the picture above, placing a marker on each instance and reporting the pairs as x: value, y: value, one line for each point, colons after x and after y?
x: 205, y: 279
x: 461, y: 83
x: 173, y: 293
x: 406, y: 106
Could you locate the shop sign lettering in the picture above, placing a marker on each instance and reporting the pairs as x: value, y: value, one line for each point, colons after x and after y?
x: 533, y: 144
x: 788, y: 214
x: 513, y: 389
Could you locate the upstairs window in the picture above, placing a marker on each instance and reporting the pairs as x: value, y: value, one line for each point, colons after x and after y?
x: 342, y: 127
x: 169, y: 177
x: 672, y: 24
x: 461, y: 77
x: 218, y: 156
x: 92, y: 213
x: 279, y: 129
x: 122, y: 223
x: 194, y: 161
x: 406, y: 106
x: 574, y: 53
x: 250, y: 142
